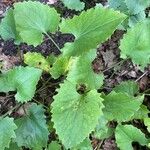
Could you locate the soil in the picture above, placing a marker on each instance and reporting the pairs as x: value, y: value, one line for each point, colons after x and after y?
x: 108, y: 55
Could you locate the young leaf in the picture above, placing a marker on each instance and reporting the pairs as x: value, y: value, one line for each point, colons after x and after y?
x: 34, y: 18
x: 75, y: 115
x: 54, y: 145
x: 74, y: 4
x: 8, y: 27
x: 60, y: 67
x: 120, y: 106
x: 135, y: 44
x: 36, y: 60
x: 85, y: 145
x: 126, y: 134
x: 90, y: 28
x: 32, y: 130
x: 129, y: 87
x: 81, y: 72
x: 7, y: 127
x: 147, y: 123
x: 22, y: 79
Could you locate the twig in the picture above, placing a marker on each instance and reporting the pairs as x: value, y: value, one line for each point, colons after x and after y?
x: 118, y: 63
x: 11, y: 110
x: 141, y: 76
x: 53, y: 41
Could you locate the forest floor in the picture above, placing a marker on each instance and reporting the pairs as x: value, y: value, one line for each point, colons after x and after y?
x: 108, y: 61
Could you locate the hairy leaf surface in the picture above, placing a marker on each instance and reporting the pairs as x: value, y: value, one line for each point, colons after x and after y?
x: 32, y: 130
x: 7, y: 127
x: 20, y: 79
x: 90, y: 28
x: 75, y: 115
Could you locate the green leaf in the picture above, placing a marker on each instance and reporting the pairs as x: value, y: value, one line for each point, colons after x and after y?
x: 147, y: 123
x: 90, y: 32
x: 13, y: 146
x: 135, y: 44
x: 120, y: 106
x: 74, y: 4
x: 127, y: 134
x: 141, y: 113
x: 81, y: 71
x: 102, y: 130
x: 20, y: 79
x: 34, y: 18
x: 133, y: 9
x: 118, y: 5
x: 129, y: 87
x: 32, y: 130
x: 7, y: 127
x: 54, y: 145
x: 60, y: 67
x: 75, y: 116
x: 8, y: 27
x: 137, y: 6
x: 134, y: 19
x: 36, y: 60
x: 85, y: 145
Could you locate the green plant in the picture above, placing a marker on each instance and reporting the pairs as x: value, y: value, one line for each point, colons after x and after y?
x: 77, y: 110
x: 135, y: 10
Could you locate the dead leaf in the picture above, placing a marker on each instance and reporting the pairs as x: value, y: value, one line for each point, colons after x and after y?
x: 51, y: 1
x: 108, y: 58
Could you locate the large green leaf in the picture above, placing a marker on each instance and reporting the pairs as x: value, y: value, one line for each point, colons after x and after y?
x: 120, y: 106
x: 8, y: 27
x: 81, y: 71
x: 129, y: 87
x: 20, y: 79
x: 126, y: 134
x: 7, y: 127
x: 32, y: 130
x: 74, y: 4
x: 75, y: 115
x: 135, y: 44
x: 34, y: 18
x: 90, y: 28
